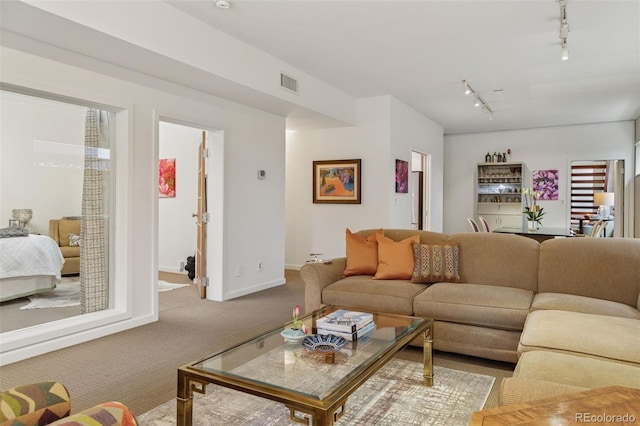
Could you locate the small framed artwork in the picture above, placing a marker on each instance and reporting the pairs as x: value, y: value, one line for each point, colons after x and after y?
x: 14, y: 223
x: 337, y: 181
x: 167, y: 178
x: 402, y: 176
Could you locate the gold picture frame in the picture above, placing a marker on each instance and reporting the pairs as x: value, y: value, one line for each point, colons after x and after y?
x: 337, y: 181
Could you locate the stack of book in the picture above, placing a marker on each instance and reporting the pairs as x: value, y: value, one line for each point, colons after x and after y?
x: 351, y: 325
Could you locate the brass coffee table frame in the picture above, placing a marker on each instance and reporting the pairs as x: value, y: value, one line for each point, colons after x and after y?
x: 322, y: 411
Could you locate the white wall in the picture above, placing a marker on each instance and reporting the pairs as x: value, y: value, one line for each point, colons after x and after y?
x: 543, y: 148
x: 177, y: 230
x: 411, y: 131
x: 386, y: 129
x: 253, y: 210
x: 42, y: 161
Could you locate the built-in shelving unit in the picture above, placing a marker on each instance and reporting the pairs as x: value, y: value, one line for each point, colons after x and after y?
x: 499, y: 193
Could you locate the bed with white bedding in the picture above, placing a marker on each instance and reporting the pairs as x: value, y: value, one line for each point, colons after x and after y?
x: 28, y: 265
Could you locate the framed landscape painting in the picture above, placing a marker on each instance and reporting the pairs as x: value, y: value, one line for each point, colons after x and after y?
x: 336, y: 181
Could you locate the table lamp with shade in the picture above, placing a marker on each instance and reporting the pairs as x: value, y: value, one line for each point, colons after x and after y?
x: 604, y: 200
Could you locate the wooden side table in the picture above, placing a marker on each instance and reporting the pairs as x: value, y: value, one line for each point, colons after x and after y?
x: 610, y: 405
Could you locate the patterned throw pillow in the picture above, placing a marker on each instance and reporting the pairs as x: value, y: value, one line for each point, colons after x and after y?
x: 435, y: 263
x: 74, y: 240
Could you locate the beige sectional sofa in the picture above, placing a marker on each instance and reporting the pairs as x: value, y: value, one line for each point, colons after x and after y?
x: 549, y: 305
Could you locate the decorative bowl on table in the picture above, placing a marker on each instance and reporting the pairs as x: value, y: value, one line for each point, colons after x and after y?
x: 324, y: 343
x: 292, y: 335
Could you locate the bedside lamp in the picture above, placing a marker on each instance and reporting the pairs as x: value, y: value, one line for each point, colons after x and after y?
x: 604, y: 200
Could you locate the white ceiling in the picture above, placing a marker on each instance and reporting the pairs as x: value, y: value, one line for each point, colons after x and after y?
x: 419, y: 51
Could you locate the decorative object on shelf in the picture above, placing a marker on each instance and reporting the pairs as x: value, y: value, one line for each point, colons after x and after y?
x: 545, y: 183
x: 22, y: 215
x: 494, y: 157
x: 324, y: 343
x: 509, y: 153
x: 337, y: 181
x: 298, y: 330
x: 487, y: 158
x: 167, y: 177
x: 402, y: 176
x: 532, y: 209
x: 504, y: 157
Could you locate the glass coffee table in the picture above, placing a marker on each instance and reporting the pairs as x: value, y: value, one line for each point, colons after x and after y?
x: 305, y: 381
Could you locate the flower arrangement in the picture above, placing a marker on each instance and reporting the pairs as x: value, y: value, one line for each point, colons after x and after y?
x: 297, y: 324
x: 531, y: 208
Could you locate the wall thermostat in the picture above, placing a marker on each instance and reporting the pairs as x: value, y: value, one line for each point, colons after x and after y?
x: 262, y: 174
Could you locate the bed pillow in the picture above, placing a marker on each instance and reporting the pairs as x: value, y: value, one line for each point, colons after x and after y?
x: 362, y: 254
x: 395, y: 258
x: 435, y: 263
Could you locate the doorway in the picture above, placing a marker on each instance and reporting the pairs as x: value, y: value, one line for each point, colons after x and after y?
x: 180, y: 141
x: 177, y: 198
x: 591, y: 180
x: 419, y: 191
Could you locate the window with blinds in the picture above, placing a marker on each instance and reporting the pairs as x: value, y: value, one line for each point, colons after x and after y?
x: 587, y: 178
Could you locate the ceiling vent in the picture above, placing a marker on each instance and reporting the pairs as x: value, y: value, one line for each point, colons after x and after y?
x: 288, y: 83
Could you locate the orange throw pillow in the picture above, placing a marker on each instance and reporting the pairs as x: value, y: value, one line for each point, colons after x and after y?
x: 395, y: 259
x: 362, y: 254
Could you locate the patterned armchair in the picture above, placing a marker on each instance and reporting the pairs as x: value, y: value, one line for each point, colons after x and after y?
x: 49, y: 403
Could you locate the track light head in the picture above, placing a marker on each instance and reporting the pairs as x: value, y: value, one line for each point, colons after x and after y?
x: 476, y: 101
x: 467, y: 89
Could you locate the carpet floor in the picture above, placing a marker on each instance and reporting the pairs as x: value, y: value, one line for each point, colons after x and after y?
x: 395, y: 395
x: 138, y: 367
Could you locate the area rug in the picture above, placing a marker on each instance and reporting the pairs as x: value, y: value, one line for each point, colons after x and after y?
x: 66, y: 293
x: 165, y: 286
x: 394, y: 396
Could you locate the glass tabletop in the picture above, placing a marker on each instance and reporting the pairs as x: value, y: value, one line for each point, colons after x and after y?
x: 268, y: 360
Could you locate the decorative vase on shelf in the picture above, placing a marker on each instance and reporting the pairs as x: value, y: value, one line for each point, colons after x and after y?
x: 293, y: 335
x: 533, y: 225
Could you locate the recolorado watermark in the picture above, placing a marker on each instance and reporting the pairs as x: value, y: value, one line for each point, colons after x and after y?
x: 605, y: 418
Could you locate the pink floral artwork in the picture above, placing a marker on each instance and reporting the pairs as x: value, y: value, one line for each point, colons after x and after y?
x: 167, y: 177
x: 545, y: 183
x: 402, y: 176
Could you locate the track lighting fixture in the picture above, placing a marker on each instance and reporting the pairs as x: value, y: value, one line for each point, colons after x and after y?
x: 477, y: 100
x: 564, y: 31
x: 467, y: 89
